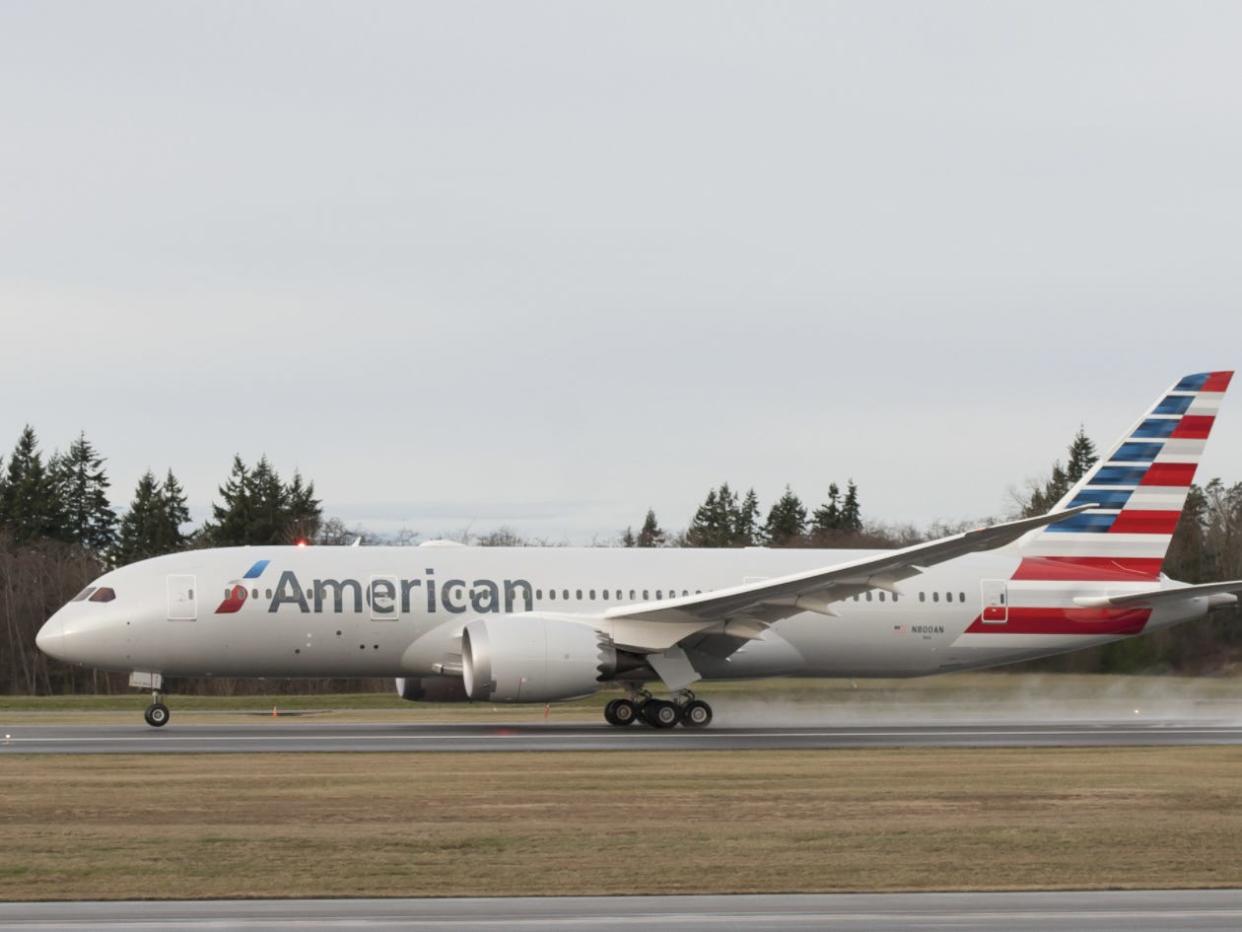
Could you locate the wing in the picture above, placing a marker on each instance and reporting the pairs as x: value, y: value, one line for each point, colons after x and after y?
x: 1221, y: 593
x: 745, y: 611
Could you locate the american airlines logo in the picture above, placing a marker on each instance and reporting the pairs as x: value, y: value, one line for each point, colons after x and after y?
x: 387, y: 595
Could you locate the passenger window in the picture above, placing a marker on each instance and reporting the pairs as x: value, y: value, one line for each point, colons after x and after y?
x: 646, y: 597
x: 881, y: 595
x: 961, y: 596
x: 633, y: 597
x: 618, y: 595
x: 565, y: 594
x: 267, y: 594
x: 935, y: 596
x: 81, y: 596
x: 539, y: 595
x: 894, y: 596
x: 552, y: 594
x: 103, y: 594
x: 254, y: 593
x: 868, y: 595
x: 604, y: 593
x: 592, y: 595
x: 684, y: 593
x: 578, y: 594
x: 922, y: 596
x: 659, y: 594
x: 948, y: 596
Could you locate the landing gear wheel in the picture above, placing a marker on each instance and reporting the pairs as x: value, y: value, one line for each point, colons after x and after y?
x: 696, y: 714
x: 624, y: 713
x: 660, y: 714
x: 157, y: 715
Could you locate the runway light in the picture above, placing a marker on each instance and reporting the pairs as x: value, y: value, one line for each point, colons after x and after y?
x: 301, y: 542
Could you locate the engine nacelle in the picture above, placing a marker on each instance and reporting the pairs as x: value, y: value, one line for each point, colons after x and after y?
x: 530, y: 658
x: 431, y: 689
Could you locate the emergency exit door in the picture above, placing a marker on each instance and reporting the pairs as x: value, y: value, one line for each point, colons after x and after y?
x: 995, y: 601
x: 182, y: 598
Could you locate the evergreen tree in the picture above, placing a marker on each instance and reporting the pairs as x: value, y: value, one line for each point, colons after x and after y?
x: 786, y: 521
x: 705, y: 525
x: 651, y: 534
x: 140, y: 529
x: 29, y: 503
x: 717, y: 521
x: 257, y: 508
x: 172, y: 515
x: 1082, y: 457
x: 851, y: 511
x: 82, y: 487
x: 746, y: 530
x: 628, y: 539
x: 233, y: 517
x: 269, y: 506
x: 827, y: 517
x: 305, y: 511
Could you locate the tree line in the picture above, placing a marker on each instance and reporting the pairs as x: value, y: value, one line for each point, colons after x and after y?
x: 58, y: 531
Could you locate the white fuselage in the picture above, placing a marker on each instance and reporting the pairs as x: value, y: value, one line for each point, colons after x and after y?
x: 399, y: 611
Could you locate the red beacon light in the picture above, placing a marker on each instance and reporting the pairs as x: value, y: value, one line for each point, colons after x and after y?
x: 301, y: 542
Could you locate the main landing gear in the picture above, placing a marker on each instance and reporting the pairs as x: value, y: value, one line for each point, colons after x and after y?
x: 157, y: 714
x: 684, y: 710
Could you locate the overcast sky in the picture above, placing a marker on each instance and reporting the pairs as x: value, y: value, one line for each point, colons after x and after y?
x: 546, y: 264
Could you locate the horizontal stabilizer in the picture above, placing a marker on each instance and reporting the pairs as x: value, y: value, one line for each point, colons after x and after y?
x: 1224, y: 593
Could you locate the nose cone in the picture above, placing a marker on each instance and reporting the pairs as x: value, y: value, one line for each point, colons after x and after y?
x: 51, y: 637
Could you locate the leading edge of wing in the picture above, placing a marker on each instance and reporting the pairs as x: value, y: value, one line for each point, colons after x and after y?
x: 881, y: 571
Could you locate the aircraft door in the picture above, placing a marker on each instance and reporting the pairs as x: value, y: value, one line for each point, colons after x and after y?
x: 182, y: 598
x: 995, y: 601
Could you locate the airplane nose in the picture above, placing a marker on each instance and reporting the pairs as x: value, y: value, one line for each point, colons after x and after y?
x: 50, y: 636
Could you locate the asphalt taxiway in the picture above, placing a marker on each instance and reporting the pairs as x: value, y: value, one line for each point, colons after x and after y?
x: 1130, y: 910
x: 364, y: 737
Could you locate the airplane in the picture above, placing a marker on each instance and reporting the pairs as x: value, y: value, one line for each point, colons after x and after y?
x: 539, y: 625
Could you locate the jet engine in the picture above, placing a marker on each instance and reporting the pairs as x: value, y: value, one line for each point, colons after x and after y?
x: 529, y: 658
x: 431, y: 689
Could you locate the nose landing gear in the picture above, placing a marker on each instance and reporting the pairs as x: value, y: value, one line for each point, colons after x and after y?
x: 157, y: 714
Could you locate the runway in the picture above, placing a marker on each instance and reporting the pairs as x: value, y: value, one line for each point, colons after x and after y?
x: 363, y: 737
x: 1102, y: 910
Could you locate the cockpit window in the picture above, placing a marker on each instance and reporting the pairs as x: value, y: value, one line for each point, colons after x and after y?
x: 81, y: 596
x: 103, y: 594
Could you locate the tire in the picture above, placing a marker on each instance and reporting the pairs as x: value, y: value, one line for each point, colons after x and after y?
x: 157, y: 715
x: 660, y: 714
x: 610, y: 712
x: 696, y: 714
x: 625, y: 713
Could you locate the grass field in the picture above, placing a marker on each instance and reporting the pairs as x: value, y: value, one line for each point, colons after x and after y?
x: 576, y: 823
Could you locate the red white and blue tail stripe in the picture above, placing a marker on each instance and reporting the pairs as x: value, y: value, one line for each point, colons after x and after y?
x: 1139, y: 489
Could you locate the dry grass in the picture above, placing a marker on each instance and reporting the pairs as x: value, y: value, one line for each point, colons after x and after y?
x: 509, y: 823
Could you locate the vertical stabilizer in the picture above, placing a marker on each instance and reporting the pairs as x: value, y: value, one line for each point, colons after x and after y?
x: 1138, y: 489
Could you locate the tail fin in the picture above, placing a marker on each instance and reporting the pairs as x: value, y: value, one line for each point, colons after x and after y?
x: 1139, y: 489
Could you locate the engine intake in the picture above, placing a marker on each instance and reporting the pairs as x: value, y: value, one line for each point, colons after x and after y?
x: 530, y: 658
